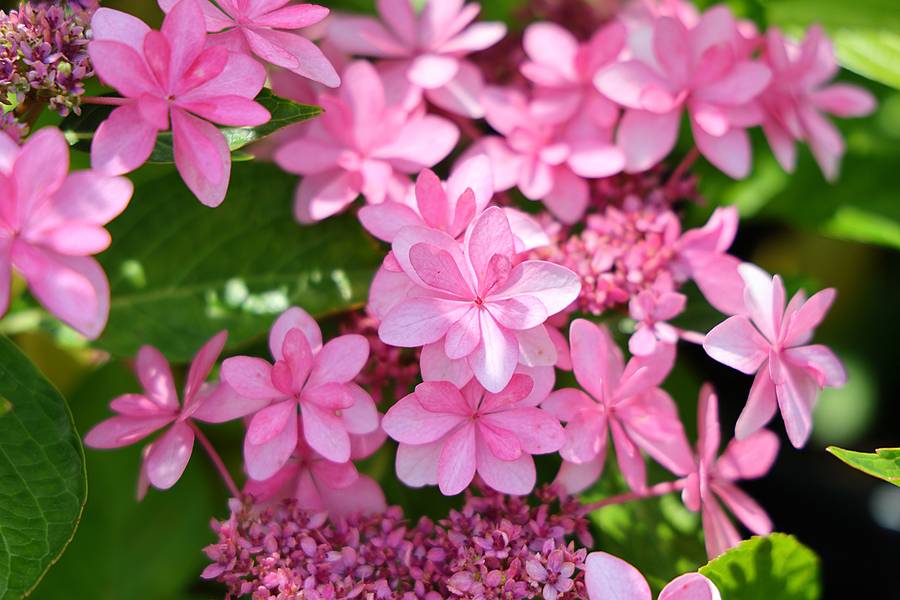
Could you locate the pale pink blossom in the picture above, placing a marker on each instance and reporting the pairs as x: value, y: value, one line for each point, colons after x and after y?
x: 447, y: 434
x: 607, y: 576
x: 361, y: 145
x: 651, y: 309
x: 141, y: 414
x: 472, y: 297
x: 705, y: 70
x: 547, y: 159
x: 51, y: 222
x: 798, y: 95
x: 429, y: 47
x: 713, y: 477
x: 623, y: 399
x: 316, y: 483
x: 562, y: 70
x: 167, y: 77
x: 789, y: 373
x: 308, y: 375
x: 256, y: 27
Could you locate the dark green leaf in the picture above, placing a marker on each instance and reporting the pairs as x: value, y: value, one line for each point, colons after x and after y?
x: 181, y: 272
x: 774, y: 567
x: 884, y: 464
x: 43, y: 483
x: 79, y: 129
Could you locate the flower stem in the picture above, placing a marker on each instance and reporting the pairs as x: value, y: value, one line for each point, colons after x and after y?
x: 216, y: 460
x: 106, y: 100
x: 659, y: 489
x: 686, y: 163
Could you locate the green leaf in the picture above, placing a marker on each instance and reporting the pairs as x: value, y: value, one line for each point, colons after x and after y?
x: 79, y: 129
x: 884, y: 464
x: 43, y: 484
x: 774, y: 567
x: 834, y: 13
x: 873, y: 53
x: 125, y: 549
x: 181, y: 272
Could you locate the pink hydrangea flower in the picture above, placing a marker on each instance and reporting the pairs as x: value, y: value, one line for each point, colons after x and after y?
x: 797, y: 97
x: 141, y: 414
x: 361, y: 145
x: 446, y: 434
x: 316, y: 483
x: 789, y: 373
x: 167, y: 77
x: 546, y: 157
x: 713, y: 477
x: 429, y: 47
x: 651, y: 309
x: 473, y: 298
x: 308, y: 375
x: 254, y: 27
x: 51, y: 221
x: 607, y: 576
x: 706, y: 70
x: 562, y: 70
x: 623, y: 399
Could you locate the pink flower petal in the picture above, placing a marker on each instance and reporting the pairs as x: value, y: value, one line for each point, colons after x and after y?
x: 125, y: 429
x: 508, y: 477
x: 760, y: 408
x: 270, y: 422
x: 690, y: 586
x: 606, y: 576
x: 431, y: 71
x: 289, y: 319
x: 796, y: 397
x: 225, y: 404
x: 293, y: 52
x: 264, y: 460
x: 340, y: 360
x: 537, y: 431
x: 325, y: 433
x: 420, y: 320
x: 494, y: 359
x: 169, y: 456
x: 456, y: 465
x: 186, y: 39
x: 250, y: 377
x: 820, y: 362
x: 586, y: 435
x: 749, y: 458
x: 736, y: 343
x: 555, y: 286
x: 745, y: 508
x: 417, y: 465
x: 123, y: 142
x: 575, y: 478
x: 202, y: 365
x: 201, y: 156
x: 122, y: 67
x: 730, y: 152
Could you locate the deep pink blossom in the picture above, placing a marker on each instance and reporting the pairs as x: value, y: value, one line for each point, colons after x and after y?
x: 255, y: 26
x: 429, y: 47
x: 361, y: 145
x: 446, y: 434
x: 166, y: 78
x: 624, y: 399
x: 607, y: 576
x: 473, y: 298
x: 309, y: 375
x: 789, y: 373
x: 713, y: 477
x: 705, y: 70
x: 798, y: 95
x: 142, y: 414
x: 51, y: 221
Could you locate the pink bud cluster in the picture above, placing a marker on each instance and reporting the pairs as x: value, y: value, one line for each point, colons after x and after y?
x: 496, y: 546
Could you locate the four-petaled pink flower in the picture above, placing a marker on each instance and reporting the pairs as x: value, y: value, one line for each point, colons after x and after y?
x: 254, y: 26
x: 749, y: 458
x: 789, y: 373
x: 167, y: 75
x: 624, y: 399
x: 315, y: 377
x: 797, y: 96
x: 706, y: 70
x: 51, y: 221
x: 606, y: 576
x: 446, y: 434
x: 473, y: 298
x: 651, y: 309
x: 361, y: 145
x: 142, y: 414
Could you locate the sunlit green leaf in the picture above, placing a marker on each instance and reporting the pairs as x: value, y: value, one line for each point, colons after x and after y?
x: 181, y: 272
x: 774, y: 567
x: 884, y: 464
x: 43, y: 484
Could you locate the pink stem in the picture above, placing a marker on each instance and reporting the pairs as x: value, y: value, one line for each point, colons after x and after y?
x: 216, y: 460
x: 683, y: 166
x: 659, y: 489
x: 105, y: 100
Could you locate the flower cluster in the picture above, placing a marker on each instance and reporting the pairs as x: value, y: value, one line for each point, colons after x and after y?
x: 43, y: 54
x: 494, y: 547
